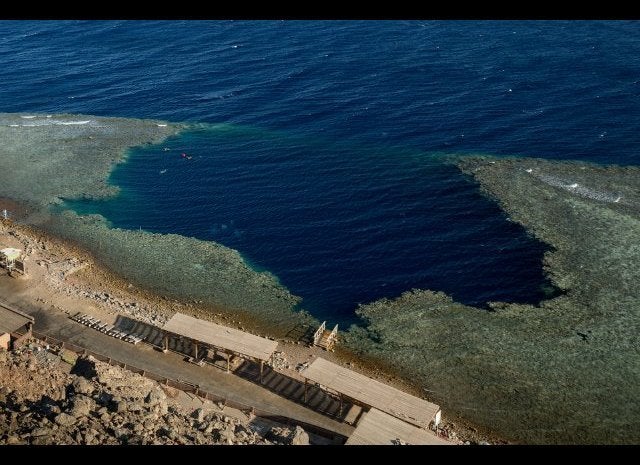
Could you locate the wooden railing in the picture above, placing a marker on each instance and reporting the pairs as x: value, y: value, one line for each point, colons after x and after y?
x: 333, y: 336
x: 318, y: 334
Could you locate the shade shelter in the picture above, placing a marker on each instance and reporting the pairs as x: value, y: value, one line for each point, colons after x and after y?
x: 368, y: 392
x: 228, y: 340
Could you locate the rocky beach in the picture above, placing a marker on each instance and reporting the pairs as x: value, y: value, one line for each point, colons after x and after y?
x: 47, y: 400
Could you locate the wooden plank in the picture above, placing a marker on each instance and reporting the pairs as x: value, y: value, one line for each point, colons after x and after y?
x: 371, y: 392
x: 352, y: 414
x: 222, y: 337
x: 379, y: 428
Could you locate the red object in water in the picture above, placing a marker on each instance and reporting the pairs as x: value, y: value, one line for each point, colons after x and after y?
x: 184, y: 155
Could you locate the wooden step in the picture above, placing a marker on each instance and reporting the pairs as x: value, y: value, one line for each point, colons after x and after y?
x: 324, y: 340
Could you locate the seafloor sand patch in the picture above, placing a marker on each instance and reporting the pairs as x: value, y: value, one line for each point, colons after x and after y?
x: 567, y: 371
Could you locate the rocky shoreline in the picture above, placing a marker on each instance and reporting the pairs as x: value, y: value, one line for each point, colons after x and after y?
x: 65, y: 278
x: 44, y: 400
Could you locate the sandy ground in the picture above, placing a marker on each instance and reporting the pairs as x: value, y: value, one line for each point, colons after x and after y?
x: 67, y: 278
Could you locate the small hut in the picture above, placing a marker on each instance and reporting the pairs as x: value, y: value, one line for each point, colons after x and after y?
x: 9, y: 257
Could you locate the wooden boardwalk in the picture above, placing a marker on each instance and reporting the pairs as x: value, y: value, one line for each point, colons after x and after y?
x: 378, y: 428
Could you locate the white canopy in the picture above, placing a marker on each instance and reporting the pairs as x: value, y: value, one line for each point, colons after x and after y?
x: 10, y: 253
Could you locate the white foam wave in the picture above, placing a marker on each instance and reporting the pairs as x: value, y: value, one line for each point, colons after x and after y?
x: 67, y: 123
x: 50, y: 122
x: 28, y: 116
x: 574, y: 187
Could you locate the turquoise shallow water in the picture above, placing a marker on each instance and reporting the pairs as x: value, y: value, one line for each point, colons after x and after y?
x: 316, y: 160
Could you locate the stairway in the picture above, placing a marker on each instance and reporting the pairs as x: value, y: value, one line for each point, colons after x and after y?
x: 325, y: 338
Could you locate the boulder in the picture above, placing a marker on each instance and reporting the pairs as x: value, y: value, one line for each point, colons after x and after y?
x: 54, y: 409
x: 135, y: 439
x: 65, y: 419
x: 227, y: 436
x: 198, y: 414
x: 118, y: 404
x: 15, y: 440
x: 82, y: 406
x: 281, y: 435
x: 158, y: 400
x: 299, y: 437
x: 84, y: 367
x: 82, y: 386
x: 155, y: 396
x: 38, y: 432
x: 135, y: 407
x: 89, y: 435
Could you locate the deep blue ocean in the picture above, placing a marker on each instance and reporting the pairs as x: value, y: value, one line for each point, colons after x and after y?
x: 321, y: 157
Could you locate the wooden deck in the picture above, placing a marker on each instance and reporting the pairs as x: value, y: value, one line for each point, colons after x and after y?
x: 378, y: 428
x: 222, y: 337
x: 371, y: 393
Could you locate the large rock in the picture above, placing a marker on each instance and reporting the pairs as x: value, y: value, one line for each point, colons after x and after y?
x: 40, y: 431
x: 118, y: 404
x: 82, y: 406
x: 15, y: 440
x: 158, y: 400
x: 198, y: 414
x: 85, y: 367
x: 135, y: 407
x: 281, y: 435
x: 89, y: 435
x: 299, y: 437
x: 227, y: 436
x: 82, y: 386
x: 155, y: 396
x: 64, y: 419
